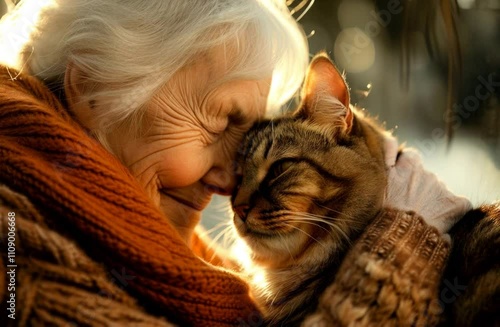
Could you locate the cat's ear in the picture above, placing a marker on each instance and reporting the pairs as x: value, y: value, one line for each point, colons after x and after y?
x: 325, y: 94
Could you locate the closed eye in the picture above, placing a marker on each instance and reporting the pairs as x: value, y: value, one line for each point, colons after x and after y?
x: 279, y: 168
x: 236, y: 117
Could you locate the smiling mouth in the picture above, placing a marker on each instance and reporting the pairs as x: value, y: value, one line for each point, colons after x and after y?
x: 192, y: 205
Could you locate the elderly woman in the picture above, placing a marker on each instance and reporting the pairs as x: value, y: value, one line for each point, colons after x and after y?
x: 119, y: 123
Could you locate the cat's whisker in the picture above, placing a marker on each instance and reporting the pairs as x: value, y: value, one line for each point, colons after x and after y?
x: 229, y: 239
x: 214, y: 241
x: 223, y: 206
x: 346, y: 219
x: 207, y: 232
x: 313, y: 220
x: 314, y: 223
x: 291, y: 212
x: 287, y: 247
x: 333, y: 210
x: 217, y: 226
x: 309, y: 235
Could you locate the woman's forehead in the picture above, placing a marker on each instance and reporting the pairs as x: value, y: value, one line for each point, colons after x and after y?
x: 219, y: 60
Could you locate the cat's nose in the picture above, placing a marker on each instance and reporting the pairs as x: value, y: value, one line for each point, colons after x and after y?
x: 242, y: 211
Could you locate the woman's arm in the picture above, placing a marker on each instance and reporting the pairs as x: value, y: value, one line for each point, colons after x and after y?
x: 392, y: 274
x: 389, y: 278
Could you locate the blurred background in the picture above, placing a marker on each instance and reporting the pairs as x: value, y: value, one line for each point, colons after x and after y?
x: 395, y: 55
x: 366, y: 38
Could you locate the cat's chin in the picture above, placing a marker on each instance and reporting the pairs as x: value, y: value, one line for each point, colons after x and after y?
x: 261, y: 244
x: 253, y: 233
x: 267, y: 249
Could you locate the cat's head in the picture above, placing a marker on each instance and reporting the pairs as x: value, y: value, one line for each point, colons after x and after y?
x: 310, y: 181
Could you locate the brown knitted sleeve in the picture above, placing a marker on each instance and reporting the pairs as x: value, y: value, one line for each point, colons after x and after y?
x: 389, y: 278
x: 56, y: 283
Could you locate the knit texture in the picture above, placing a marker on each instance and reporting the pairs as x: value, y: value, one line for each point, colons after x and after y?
x: 390, y: 277
x: 84, y: 193
x: 57, y: 284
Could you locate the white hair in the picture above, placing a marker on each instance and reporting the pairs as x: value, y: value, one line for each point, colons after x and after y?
x: 127, y: 50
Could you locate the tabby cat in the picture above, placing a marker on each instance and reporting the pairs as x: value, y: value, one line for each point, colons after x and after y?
x: 310, y: 183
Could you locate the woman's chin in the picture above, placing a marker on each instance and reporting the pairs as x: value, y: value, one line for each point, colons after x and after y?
x: 183, y: 215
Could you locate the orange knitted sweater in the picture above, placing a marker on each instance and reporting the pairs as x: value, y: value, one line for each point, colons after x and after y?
x: 88, y: 194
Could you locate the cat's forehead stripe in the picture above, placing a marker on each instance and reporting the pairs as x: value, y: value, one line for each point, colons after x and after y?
x: 273, y: 139
x: 264, y: 135
x: 293, y: 136
x: 254, y: 141
x: 269, y: 145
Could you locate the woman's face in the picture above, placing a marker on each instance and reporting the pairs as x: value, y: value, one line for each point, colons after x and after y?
x: 192, y: 129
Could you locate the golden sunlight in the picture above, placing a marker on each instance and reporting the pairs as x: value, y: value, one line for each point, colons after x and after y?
x: 241, y: 253
x: 16, y: 28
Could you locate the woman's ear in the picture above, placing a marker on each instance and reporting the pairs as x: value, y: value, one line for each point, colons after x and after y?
x: 77, y: 89
x: 325, y: 94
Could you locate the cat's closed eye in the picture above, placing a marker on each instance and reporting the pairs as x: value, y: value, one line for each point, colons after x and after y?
x: 280, y: 167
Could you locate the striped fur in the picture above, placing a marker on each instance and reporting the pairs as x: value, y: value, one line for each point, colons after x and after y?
x: 311, y: 181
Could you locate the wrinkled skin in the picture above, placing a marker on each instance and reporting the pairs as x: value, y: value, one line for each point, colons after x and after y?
x: 192, y: 129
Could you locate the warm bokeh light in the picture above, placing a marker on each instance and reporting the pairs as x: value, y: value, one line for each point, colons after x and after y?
x: 466, y: 4
x: 354, y: 13
x: 354, y: 50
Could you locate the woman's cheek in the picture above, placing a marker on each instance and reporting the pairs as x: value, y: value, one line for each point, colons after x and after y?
x: 183, y: 169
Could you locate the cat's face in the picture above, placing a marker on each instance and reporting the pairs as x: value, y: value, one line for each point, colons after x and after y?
x: 310, y: 181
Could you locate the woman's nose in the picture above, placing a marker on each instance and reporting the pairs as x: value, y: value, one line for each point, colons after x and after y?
x: 221, y: 180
